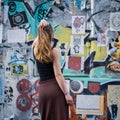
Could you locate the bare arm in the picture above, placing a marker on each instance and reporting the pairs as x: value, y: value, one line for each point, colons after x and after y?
x: 59, y: 76
x: 57, y: 70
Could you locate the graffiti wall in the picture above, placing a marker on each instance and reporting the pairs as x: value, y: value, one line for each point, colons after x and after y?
x: 88, y: 34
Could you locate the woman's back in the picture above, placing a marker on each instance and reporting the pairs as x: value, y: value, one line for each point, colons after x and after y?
x: 45, y: 70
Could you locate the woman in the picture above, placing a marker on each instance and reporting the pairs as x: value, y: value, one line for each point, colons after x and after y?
x: 54, y: 97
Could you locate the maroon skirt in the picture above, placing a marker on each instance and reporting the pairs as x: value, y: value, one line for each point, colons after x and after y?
x: 52, y: 103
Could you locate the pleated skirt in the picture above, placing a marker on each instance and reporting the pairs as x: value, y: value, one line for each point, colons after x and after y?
x: 52, y: 103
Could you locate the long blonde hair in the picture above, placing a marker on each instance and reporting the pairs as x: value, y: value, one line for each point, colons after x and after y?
x: 42, y: 47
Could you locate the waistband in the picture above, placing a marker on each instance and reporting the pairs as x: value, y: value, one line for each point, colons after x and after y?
x: 47, y: 81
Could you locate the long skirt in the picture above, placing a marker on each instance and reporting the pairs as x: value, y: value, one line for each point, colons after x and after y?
x: 52, y: 103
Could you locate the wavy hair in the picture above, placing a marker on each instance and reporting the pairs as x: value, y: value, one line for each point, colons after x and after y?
x: 43, y: 48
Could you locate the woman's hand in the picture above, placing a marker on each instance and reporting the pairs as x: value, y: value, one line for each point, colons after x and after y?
x: 43, y: 23
x: 69, y: 99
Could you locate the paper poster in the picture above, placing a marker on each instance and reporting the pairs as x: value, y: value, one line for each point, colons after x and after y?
x: 78, y: 24
x: 77, y: 45
x: 10, y: 94
x: 115, y: 21
x: 74, y: 63
x: 114, y: 101
x: 17, y: 35
x: 101, y: 39
x: 90, y: 104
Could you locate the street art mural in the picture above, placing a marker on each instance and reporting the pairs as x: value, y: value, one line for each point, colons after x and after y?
x: 87, y: 33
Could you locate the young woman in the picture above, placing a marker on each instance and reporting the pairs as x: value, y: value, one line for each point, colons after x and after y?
x: 54, y: 97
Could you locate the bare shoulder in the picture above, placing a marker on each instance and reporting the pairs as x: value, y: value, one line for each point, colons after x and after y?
x: 55, y: 49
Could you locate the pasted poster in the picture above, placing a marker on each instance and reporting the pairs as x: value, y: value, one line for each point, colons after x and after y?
x: 10, y: 93
x: 115, y: 21
x: 77, y: 45
x: 73, y: 66
x: 16, y: 35
x: 78, y: 24
x: 114, y: 101
x: 93, y: 106
x: 102, y: 39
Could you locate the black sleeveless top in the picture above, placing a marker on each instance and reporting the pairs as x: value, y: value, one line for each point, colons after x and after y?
x: 45, y: 70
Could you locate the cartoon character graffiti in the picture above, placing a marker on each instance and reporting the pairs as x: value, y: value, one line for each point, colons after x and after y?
x: 114, y: 51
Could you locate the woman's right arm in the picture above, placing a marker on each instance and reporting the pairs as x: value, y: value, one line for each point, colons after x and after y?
x: 59, y: 76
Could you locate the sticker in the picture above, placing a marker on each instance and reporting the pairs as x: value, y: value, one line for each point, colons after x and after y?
x: 76, y: 44
x: 78, y: 24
